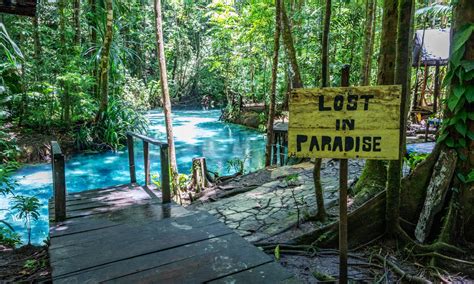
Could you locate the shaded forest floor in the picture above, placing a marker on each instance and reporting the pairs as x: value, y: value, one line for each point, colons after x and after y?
x: 275, y: 205
x: 25, y: 264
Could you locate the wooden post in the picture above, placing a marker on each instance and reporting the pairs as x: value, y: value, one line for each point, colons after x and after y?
x: 59, y: 182
x: 146, y: 162
x: 436, y: 88
x: 343, y: 172
x: 131, y: 159
x: 281, y: 141
x: 274, y: 148
x: 165, y: 174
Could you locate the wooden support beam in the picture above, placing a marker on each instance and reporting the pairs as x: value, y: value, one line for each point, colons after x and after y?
x: 437, y: 88
x: 146, y: 162
x: 59, y: 182
x: 165, y: 174
x: 131, y: 159
x: 343, y: 173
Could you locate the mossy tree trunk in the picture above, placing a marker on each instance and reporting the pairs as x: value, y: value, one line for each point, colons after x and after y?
x: 402, y: 77
x: 368, y: 43
x: 271, y: 111
x: 374, y: 175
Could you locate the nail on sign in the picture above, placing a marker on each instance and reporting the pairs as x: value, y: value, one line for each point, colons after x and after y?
x: 345, y: 122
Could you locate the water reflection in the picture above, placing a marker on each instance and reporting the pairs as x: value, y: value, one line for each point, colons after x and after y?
x: 197, y: 133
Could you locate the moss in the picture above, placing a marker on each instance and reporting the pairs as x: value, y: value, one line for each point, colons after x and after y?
x: 371, y: 181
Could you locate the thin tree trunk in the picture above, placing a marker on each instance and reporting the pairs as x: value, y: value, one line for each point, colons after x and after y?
x: 402, y: 77
x: 104, y: 58
x: 271, y: 112
x: 295, y: 76
x: 92, y: 21
x: 165, y: 89
x: 325, y: 46
x: 62, y: 27
x: 368, y: 43
x: 77, y: 21
x: 296, y: 82
x: 37, y: 45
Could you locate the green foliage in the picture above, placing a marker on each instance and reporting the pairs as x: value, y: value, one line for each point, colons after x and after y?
x: 27, y: 208
x: 236, y: 164
x: 414, y: 159
x: 118, y: 118
x: 454, y: 131
x: 276, y: 252
x: 8, y: 237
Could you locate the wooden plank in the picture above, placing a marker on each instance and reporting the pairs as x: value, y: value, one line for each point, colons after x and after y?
x: 165, y: 174
x: 267, y: 273
x: 154, y: 260
x: 100, y: 192
x: 345, y: 122
x: 86, y: 250
x: 132, y: 214
x: 218, y: 259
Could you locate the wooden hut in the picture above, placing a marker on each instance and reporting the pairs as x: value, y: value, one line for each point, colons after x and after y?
x: 18, y: 7
x: 430, y: 50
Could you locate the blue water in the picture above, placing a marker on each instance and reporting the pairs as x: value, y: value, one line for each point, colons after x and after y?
x: 197, y: 133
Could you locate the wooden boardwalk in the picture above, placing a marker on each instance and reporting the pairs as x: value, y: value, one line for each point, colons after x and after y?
x: 125, y: 234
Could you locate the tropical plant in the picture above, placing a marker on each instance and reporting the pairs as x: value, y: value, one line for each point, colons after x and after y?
x: 27, y: 208
x: 8, y: 237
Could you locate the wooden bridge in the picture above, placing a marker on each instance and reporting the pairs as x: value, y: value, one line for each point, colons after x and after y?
x: 129, y: 233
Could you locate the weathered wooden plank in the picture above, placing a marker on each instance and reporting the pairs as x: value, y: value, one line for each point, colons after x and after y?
x: 131, y: 159
x: 218, y: 259
x: 345, y: 122
x: 154, y: 260
x: 84, y: 195
x: 267, y: 273
x: 134, y: 194
x: 132, y: 214
x: 80, y: 251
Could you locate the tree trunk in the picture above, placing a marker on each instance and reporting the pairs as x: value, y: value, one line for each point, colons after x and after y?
x: 295, y: 76
x: 325, y: 46
x: 62, y: 28
x: 77, y: 22
x: 402, y: 77
x: 104, y: 58
x: 296, y: 82
x: 37, y: 45
x: 271, y: 112
x: 374, y: 175
x: 368, y: 43
x: 165, y: 90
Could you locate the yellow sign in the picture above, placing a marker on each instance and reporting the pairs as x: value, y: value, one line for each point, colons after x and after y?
x: 345, y: 122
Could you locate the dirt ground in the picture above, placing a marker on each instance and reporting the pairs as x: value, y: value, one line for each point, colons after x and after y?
x: 25, y: 264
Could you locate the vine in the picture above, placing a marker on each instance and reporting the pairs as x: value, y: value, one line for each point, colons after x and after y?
x: 455, y: 132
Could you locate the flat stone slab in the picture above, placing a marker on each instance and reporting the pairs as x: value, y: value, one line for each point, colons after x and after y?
x: 272, y: 206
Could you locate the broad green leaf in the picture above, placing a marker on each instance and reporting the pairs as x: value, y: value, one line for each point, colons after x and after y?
x: 461, y: 177
x: 442, y: 137
x: 462, y: 142
x: 470, y: 94
x: 461, y: 36
x: 470, y: 135
x: 458, y: 90
x: 457, y: 55
x: 450, y: 142
x: 461, y: 128
x: 452, y: 102
x: 277, y: 252
x: 468, y: 65
x: 470, y: 177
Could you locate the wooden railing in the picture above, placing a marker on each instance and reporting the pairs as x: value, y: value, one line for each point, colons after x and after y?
x: 59, y: 182
x: 165, y: 169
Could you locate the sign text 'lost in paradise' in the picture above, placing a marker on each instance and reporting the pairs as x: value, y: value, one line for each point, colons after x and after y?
x: 345, y: 122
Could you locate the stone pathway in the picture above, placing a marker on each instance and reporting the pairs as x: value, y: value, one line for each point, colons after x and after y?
x: 268, y: 201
